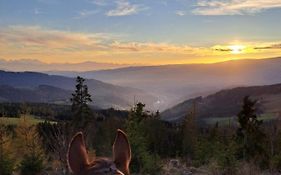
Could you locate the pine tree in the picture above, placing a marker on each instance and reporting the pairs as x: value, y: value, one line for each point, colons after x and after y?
x: 142, y: 160
x: 189, y: 133
x: 80, y: 100
x: 250, y: 137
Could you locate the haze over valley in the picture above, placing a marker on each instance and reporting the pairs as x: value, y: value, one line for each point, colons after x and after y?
x: 39, y: 87
x: 172, y: 84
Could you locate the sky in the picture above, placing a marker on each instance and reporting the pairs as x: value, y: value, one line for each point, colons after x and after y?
x: 141, y: 32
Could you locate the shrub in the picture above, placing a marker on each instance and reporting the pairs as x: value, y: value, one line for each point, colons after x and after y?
x: 276, y: 162
x: 151, y: 164
x: 6, y: 166
x: 227, y: 160
x: 31, y: 165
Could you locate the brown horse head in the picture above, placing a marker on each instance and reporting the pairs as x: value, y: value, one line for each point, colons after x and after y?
x: 79, y: 163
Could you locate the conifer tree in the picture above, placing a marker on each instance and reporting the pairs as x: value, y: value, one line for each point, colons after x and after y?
x: 189, y: 133
x: 142, y: 160
x: 80, y: 100
x: 249, y: 133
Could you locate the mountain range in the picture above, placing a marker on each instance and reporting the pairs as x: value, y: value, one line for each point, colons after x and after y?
x: 159, y: 87
x: 39, y: 87
x: 38, y: 66
x: 172, y: 84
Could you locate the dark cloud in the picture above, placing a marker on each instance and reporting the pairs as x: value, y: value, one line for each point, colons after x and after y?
x: 273, y: 46
x: 223, y: 50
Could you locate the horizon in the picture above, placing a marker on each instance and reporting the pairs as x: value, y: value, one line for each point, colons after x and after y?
x: 136, y: 33
x: 32, y: 65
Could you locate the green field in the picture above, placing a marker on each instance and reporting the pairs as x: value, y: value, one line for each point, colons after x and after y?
x: 31, y: 120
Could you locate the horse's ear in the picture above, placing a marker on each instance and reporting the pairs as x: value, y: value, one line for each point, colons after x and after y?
x: 77, y: 154
x: 122, y: 152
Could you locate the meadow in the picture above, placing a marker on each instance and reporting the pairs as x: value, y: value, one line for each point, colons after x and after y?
x: 29, y: 119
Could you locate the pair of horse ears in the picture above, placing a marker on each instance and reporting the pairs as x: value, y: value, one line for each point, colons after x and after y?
x: 78, y: 158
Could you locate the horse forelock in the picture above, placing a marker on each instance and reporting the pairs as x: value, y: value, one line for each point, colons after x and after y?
x: 103, y: 166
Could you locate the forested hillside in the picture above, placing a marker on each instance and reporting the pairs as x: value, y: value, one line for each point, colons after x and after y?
x: 227, y: 103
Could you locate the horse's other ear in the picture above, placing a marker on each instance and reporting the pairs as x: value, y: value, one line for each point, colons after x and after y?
x: 77, y: 154
x: 122, y: 152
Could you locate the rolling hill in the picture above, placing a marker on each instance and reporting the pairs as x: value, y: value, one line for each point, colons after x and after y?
x: 174, y: 83
x: 40, y: 94
x: 39, y: 87
x: 227, y: 103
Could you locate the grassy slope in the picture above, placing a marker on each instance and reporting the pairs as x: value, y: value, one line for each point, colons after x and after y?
x: 32, y: 120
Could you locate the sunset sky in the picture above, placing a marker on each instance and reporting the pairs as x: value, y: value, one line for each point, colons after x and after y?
x: 139, y: 31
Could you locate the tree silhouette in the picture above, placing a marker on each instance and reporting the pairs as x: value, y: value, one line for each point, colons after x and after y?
x: 80, y: 109
x: 249, y: 134
x: 189, y: 133
x: 142, y: 160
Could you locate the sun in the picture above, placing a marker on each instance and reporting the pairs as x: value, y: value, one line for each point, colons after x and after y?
x: 236, y: 49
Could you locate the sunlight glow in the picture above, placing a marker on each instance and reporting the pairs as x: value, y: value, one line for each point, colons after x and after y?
x: 236, y: 49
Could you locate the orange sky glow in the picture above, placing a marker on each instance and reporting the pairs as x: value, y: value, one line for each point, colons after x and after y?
x: 54, y: 46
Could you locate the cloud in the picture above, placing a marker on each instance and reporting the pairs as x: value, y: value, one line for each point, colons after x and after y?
x: 248, y: 47
x: 151, y: 47
x: 86, y: 13
x: 37, y: 11
x: 222, y: 50
x: 32, y: 38
x: 125, y: 8
x: 51, y: 45
x: 180, y: 13
x: 52, y: 2
x: 99, y: 2
x: 271, y: 46
x: 36, y: 38
x: 234, y: 7
x: 25, y: 41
